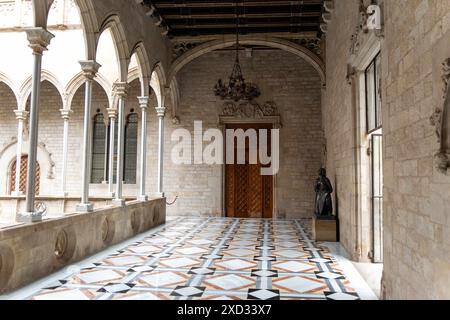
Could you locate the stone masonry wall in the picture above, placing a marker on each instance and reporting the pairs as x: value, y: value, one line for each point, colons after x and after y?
x: 296, y: 89
x: 417, y: 197
x: 417, y: 220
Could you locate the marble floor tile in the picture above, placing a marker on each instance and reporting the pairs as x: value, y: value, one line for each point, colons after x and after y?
x: 210, y: 259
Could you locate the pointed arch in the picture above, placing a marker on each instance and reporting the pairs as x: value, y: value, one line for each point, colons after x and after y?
x: 10, y: 84
x: 25, y: 89
x: 158, y: 83
x: 120, y: 43
x: 144, y: 67
x: 76, y: 82
x: 41, y: 9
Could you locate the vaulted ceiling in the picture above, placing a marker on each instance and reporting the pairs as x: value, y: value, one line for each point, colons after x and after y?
x: 209, y: 18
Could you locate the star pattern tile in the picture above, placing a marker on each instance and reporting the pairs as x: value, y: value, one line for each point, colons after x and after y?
x: 211, y: 259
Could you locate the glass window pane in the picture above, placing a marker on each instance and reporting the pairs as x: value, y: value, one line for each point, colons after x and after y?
x: 131, y: 146
x: 379, y: 119
x: 98, y: 149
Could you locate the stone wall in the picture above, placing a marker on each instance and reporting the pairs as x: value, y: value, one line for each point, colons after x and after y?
x: 283, y: 78
x: 338, y: 124
x: 416, y: 221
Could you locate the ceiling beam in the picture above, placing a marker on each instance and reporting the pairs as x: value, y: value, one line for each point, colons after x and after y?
x: 246, y: 25
x: 248, y: 15
x: 218, y: 4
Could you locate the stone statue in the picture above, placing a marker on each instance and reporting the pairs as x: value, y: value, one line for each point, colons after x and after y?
x: 323, y: 189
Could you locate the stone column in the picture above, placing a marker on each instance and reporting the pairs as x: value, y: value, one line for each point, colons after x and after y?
x: 65, y: 114
x: 143, y: 103
x: 21, y: 116
x: 90, y: 69
x: 39, y: 39
x: 112, y: 114
x: 120, y: 89
x: 161, y: 112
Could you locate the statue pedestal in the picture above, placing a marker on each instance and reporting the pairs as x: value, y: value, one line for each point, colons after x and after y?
x: 324, y: 228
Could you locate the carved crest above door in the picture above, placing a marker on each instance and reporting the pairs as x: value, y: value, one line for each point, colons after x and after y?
x: 249, y: 110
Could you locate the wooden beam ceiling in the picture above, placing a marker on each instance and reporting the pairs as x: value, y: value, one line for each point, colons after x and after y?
x: 192, y: 18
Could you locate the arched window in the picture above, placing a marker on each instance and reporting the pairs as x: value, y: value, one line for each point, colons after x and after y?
x: 116, y: 130
x: 131, y: 145
x: 23, y: 176
x: 98, y: 149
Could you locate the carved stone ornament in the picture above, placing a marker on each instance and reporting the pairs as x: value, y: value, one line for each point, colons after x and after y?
x: 439, y: 119
x: 249, y: 110
x: 360, y: 29
x: 51, y: 170
x: 181, y: 48
x: 61, y: 244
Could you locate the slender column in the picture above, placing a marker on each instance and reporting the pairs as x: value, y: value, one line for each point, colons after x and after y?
x: 120, y: 89
x: 90, y: 69
x: 143, y: 103
x: 39, y: 39
x: 21, y: 116
x: 161, y: 112
x: 65, y: 114
x: 112, y: 113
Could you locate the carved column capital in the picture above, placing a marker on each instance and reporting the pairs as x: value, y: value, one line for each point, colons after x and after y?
x: 121, y: 89
x: 161, y: 111
x: 65, y: 113
x: 143, y: 102
x: 21, y: 114
x: 89, y: 68
x: 112, y: 113
x: 39, y: 39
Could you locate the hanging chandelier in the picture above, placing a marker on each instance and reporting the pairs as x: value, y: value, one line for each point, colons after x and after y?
x: 236, y: 89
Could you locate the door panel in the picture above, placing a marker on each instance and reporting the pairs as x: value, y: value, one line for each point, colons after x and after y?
x: 248, y: 194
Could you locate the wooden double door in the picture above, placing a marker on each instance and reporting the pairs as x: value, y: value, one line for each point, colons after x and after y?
x: 248, y: 193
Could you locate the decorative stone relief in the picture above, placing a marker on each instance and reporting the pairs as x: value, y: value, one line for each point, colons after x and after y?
x: 61, y: 244
x: 361, y: 28
x: 249, y: 110
x: 51, y: 170
x: 314, y: 44
x: 181, y: 48
x: 328, y: 6
x: 441, y: 122
x: 7, y: 145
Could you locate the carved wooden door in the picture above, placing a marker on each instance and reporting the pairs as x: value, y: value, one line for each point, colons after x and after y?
x: 248, y: 193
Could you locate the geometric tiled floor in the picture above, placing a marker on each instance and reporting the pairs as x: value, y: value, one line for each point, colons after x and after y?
x: 210, y: 258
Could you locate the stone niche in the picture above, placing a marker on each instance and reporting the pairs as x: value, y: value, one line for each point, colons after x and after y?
x: 33, y: 251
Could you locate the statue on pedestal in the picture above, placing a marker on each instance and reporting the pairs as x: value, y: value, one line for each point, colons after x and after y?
x: 323, y: 189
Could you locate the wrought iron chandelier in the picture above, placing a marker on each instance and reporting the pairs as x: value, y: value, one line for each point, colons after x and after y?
x: 237, y: 89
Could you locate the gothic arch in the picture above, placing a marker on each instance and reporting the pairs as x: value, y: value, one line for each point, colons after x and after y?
x: 25, y: 89
x: 285, y: 45
x: 144, y: 69
x: 41, y: 9
x: 158, y: 83
x: 9, y: 83
x: 76, y: 82
x: 120, y: 43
